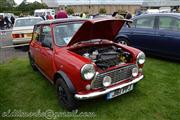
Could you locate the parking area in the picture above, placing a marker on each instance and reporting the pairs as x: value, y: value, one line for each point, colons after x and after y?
x: 7, y: 51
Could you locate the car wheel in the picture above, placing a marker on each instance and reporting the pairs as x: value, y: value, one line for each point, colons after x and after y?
x: 65, y: 97
x: 123, y: 41
x: 25, y: 48
x: 16, y: 48
x: 32, y: 62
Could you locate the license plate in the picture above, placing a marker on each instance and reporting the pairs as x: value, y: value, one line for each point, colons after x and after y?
x: 27, y: 35
x: 118, y: 92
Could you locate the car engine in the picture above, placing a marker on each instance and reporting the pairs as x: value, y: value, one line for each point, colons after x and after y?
x: 105, y: 56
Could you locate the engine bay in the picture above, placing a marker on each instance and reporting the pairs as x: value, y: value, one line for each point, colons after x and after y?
x: 105, y: 56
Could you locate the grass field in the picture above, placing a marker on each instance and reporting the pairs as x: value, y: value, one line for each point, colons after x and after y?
x: 157, y: 96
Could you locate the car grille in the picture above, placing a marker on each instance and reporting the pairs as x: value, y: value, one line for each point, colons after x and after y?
x: 116, y: 75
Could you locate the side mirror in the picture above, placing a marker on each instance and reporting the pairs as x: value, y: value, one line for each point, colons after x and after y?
x: 46, y: 43
x: 128, y: 23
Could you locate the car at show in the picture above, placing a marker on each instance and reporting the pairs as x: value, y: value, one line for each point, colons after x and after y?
x: 80, y: 58
x: 157, y: 34
x: 23, y: 28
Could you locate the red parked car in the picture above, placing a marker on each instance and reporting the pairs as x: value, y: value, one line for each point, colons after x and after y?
x: 79, y: 57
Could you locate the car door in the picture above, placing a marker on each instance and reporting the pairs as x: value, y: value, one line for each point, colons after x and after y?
x: 45, y: 56
x: 168, y: 36
x: 35, y: 44
x: 142, y: 34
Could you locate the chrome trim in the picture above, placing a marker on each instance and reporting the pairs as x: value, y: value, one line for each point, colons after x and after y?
x: 82, y: 69
x: 94, y: 78
x: 129, y: 78
x: 137, y: 58
x: 100, y: 93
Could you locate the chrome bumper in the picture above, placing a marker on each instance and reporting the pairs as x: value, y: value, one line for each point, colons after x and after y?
x: 21, y: 40
x: 100, y: 93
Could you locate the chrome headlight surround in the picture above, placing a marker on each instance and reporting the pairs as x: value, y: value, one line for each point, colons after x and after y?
x: 135, y: 72
x: 88, y: 72
x: 107, y: 81
x: 140, y: 58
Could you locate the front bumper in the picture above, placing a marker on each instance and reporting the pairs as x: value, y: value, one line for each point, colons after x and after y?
x: 100, y: 93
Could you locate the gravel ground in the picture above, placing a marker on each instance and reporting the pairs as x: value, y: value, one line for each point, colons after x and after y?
x: 7, y: 54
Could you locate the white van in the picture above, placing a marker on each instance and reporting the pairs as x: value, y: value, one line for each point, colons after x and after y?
x: 40, y: 12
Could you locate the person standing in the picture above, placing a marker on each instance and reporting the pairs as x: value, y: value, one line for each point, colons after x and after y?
x: 43, y: 16
x: 138, y: 12
x: 61, y: 14
x: 117, y: 16
x: 12, y: 20
x: 128, y: 15
x: 6, y: 19
x: 49, y: 16
x: 83, y: 15
x: 1, y: 22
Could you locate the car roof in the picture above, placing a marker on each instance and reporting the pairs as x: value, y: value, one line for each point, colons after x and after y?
x: 30, y: 17
x: 159, y: 14
x: 54, y: 21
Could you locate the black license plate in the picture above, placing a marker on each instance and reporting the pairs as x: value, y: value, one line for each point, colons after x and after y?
x: 118, y: 92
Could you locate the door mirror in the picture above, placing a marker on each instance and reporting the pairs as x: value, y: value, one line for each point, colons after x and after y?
x: 128, y: 23
x: 46, y: 43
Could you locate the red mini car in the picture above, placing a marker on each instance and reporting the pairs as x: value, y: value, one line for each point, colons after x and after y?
x: 79, y: 57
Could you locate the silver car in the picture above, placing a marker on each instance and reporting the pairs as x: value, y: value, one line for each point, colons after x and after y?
x: 23, y: 28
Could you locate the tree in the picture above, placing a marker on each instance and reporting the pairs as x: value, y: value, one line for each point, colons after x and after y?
x: 102, y: 11
x: 6, y: 5
x: 28, y: 8
x: 70, y: 11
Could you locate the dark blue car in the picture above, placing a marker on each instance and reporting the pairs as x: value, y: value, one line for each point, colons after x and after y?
x: 158, y: 34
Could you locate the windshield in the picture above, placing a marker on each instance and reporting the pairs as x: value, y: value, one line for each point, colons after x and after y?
x: 37, y: 14
x: 64, y: 32
x: 27, y: 22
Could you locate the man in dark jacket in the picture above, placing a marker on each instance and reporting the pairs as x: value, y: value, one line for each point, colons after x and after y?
x: 1, y: 22
x: 43, y: 16
x: 12, y: 20
x: 8, y: 23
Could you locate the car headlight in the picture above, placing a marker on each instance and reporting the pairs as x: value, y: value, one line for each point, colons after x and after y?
x: 141, y: 58
x: 107, y: 81
x: 88, y: 72
x: 135, y: 71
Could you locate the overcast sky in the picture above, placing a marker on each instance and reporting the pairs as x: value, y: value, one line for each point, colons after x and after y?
x: 19, y: 1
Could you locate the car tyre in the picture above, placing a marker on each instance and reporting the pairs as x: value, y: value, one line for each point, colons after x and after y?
x: 123, y: 41
x: 25, y: 48
x: 65, y: 97
x: 32, y: 62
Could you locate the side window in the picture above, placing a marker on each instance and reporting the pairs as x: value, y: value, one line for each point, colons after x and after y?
x: 45, y: 35
x: 167, y: 23
x: 36, y: 33
x: 177, y: 25
x: 146, y: 22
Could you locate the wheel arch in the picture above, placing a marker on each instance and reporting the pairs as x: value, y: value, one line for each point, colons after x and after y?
x: 121, y: 36
x: 63, y: 75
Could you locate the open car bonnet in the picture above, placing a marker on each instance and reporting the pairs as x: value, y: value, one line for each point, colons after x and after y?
x: 97, y: 29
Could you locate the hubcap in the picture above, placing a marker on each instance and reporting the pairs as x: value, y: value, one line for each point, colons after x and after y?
x: 62, y: 94
x: 123, y: 42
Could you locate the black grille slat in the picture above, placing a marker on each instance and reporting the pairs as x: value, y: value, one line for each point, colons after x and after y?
x: 117, y: 75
